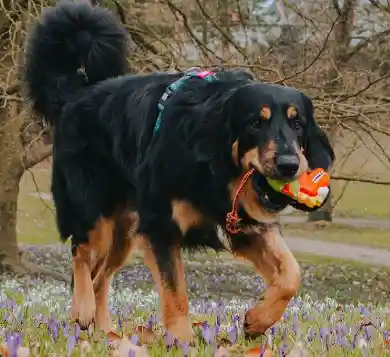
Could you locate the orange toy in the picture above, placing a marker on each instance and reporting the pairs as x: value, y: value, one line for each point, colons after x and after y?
x: 311, y: 188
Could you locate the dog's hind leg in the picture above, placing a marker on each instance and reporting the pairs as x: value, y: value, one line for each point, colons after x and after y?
x: 88, y: 256
x: 162, y: 255
x: 168, y: 274
x: 274, y: 262
x: 124, y: 243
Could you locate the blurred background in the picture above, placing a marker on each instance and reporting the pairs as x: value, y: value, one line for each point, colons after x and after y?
x: 335, y: 51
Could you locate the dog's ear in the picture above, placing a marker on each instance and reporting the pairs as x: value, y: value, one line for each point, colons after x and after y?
x: 317, y: 148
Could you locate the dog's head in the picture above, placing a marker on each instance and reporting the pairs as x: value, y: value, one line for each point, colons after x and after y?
x: 277, y: 134
x: 236, y: 123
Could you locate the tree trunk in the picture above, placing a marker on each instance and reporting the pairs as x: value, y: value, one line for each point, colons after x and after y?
x: 9, y: 251
x: 12, y: 165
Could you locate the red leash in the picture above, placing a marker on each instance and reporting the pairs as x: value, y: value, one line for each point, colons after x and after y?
x: 232, y: 219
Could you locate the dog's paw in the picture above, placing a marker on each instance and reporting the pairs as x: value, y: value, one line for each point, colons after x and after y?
x: 181, y: 329
x: 83, y: 309
x: 253, y: 327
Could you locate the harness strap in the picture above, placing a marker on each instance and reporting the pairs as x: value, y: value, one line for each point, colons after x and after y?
x: 192, y: 72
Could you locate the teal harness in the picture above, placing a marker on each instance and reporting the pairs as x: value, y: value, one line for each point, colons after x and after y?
x: 192, y: 72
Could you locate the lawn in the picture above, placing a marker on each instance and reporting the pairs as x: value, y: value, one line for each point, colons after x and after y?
x: 363, y: 200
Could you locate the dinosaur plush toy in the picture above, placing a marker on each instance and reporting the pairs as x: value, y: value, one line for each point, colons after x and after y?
x: 311, y: 188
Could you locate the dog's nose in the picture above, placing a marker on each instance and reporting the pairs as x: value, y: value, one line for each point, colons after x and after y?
x: 287, y: 165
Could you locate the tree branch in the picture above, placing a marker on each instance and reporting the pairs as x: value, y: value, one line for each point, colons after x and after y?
x: 36, y: 153
x: 313, y: 61
x: 359, y: 179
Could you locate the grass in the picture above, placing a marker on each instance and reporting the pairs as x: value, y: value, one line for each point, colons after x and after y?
x: 310, y: 327
x: 36, y: 219
x: 346, y: 281
x: 341, y: 233
x: 363, y: 200
x: 296, y: 332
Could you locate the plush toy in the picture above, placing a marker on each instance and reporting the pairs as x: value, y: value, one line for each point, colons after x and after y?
x: 311, y: 188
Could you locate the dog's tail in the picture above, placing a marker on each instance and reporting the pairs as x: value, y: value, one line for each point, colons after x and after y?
x: 73, y: 46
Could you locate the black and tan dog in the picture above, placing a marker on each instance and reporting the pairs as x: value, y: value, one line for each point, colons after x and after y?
x: 139, y: 164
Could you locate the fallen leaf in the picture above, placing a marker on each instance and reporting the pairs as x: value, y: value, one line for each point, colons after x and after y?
x: 256, y: 352
x: 145, y: 334
x: 113, y: 336
x: 197, y: 323
x: 222, y: 352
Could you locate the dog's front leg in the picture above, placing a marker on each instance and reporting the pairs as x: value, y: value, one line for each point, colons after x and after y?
x: 274, y: 262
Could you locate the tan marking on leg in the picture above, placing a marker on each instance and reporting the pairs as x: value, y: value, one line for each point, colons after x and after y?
x: 185, y: 215
x: 89, y: 257
x: 275, y: 263
x: 123, y: 245
x: 174, y: 303
x: 103, y: 319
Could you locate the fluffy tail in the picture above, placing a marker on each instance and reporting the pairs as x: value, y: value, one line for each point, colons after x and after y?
x: 71, y: 38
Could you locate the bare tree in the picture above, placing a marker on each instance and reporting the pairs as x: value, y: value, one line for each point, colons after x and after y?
x: 23, y: 142
x: 325, y: 51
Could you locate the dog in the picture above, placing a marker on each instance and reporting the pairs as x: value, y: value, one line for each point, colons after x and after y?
x: 154, y: 162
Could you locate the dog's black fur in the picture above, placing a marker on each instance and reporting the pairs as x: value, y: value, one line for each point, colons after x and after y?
x: 105, y: 154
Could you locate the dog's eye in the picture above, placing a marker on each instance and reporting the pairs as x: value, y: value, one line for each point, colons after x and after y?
x: 297, y: 126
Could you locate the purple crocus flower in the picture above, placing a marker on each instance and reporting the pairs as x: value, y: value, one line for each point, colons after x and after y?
x: 354, y: 341
x: 168, y: 340
x: 77, y: 331
x: 214, y: 348
x: 71, y: 344
x: 283, y: 350
x: 327, y: 341
x: 386, y: 335
x: 208, y: 334
x: 295, y: 323
x: 13, y: 341
x: 131, y: 353
x: 134, y: 339
x: 367, y: 333
x: 233, y: 335
x: 185, y: 346
x: 284, y: 334
x: 216, y: 329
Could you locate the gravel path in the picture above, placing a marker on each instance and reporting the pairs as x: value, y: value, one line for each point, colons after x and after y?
x: 338, y: 250
x: 356, y: 222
